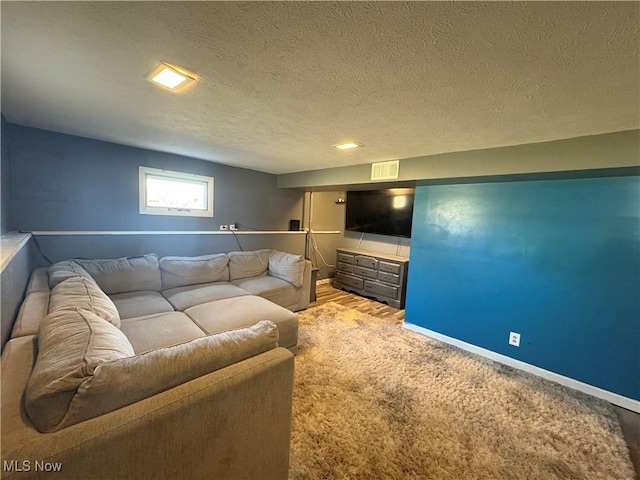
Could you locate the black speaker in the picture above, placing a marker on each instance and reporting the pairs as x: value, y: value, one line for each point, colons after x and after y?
x: 294, y: 225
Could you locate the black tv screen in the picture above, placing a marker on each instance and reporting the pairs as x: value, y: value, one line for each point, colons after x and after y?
x: 384, y: 212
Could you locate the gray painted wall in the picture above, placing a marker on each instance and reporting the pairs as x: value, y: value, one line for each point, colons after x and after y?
x: 322, y: 213
x: 607, y: 151
x: 62, y: 183
x: 58, y: 248
x: 55, y: 182
x: 377, y: 243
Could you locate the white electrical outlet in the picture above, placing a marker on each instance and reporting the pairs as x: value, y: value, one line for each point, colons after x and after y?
x: 233, y: 226
x: 514, y: 339
x: 224, y: 227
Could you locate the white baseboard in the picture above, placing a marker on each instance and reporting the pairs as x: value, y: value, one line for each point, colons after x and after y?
x: 616, y: 399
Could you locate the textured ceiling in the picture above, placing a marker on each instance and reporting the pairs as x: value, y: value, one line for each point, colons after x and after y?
x: 281, y: 82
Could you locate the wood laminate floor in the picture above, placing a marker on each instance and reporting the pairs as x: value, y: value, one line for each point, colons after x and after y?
x: 629, y: 421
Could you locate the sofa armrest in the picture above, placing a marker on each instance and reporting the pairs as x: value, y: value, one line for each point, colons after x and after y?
x: 231, y: 423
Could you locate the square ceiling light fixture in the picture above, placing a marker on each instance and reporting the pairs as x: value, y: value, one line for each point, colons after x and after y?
x: 170, y: 76
x: 348, y: 145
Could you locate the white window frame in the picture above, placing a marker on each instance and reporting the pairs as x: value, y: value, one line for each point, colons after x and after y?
x: 143, y: 172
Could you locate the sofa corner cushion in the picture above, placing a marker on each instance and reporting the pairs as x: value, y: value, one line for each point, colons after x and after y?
x: 80, y: 292
x: 127, y: 274
x: 121, y: 382
x: 248, y: 264
x: 287, y: 267
x: 61, y: 271
x: 272, y: 288
x: 182, y: 271
x: 71, y: 346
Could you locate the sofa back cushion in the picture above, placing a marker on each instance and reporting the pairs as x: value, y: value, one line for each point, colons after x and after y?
x: 123, y: 380
x: 80, y: 292
x: 71, y: 345
x: 129, y: 274
x: 248, y: 264
x: 183, y: 271
x: 61, y: 271
x: 32, y: 311
x: 287, y: 267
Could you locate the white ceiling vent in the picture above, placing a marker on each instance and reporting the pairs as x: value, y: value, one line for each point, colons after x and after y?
x: 385, y: 170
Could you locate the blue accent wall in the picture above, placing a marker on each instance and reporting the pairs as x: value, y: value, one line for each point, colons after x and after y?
x: 557, y: 261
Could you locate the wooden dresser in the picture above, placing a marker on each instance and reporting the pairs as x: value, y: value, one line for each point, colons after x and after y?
x: 370, y: 274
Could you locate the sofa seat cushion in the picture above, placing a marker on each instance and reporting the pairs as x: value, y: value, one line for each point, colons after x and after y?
x: 248, y: 264
x: 137, y: 304
x: 183, y: 271
x: 18, y: 357
x: 184, y: 297
x: 160, y: 330
x: 129, y: 274
x: 80, y: 292
x: 238, y: 312
x: 72, y: 344
x: 271, y: 288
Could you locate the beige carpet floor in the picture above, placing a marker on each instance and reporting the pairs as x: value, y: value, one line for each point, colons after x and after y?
x: 375, y: 401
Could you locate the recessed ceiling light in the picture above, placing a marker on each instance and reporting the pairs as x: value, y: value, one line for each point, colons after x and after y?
x: 348, y: 145
x: 170, y: 76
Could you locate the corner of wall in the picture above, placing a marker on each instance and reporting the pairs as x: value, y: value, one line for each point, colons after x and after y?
x: 5, y: 177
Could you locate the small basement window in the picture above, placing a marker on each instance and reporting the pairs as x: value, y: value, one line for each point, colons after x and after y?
x: 163, y: 192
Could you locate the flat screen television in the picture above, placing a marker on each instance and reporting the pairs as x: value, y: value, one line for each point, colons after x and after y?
x: 384, y: 212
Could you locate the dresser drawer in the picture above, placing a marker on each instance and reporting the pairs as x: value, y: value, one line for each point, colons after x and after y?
x: 389, y: 267
x: 345, y: 267
x: 345, y: 258
x: 367, y: 262
x: 380, y: 289
x: 365, y: 272
x: 349, y: 281
x: 388, y: 277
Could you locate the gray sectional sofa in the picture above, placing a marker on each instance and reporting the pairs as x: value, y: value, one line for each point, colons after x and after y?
x: 147, y: 367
